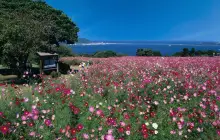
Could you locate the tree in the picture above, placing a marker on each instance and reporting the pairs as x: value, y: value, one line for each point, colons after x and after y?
x: 105, y: 54
x: 64, y: 51
x: 28, y: 26
x: 185, y: 52
x: 140, y: 52
x: 192, y: 52
x: 147, y: 52
x: 156, y: 53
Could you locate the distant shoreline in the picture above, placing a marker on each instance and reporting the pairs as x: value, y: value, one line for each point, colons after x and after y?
x: 126, y: 43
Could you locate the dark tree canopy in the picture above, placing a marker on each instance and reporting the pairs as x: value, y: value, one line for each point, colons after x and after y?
x: 147, y: 52
x: 27, y: 26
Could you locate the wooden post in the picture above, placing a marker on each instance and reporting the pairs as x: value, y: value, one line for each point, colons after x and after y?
x: 41, y: 69
x: 57, y: 66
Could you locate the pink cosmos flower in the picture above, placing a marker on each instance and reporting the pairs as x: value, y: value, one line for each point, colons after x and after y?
x: 109, y: 137
x: 110, y: 131
x: 122, y: 124
x: 32, y: 133
x: 85, y: 136
x: 91, y: 109
x: 172, y: 132
x: 23, y: 118
x: 99, y: 112
x: 35, y: 117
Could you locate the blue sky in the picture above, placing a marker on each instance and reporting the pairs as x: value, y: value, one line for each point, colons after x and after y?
x: 144, y: 19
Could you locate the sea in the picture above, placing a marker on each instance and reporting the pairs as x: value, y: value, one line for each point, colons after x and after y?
x: 130, y: 47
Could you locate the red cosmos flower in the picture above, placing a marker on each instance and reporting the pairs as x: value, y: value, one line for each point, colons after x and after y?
x: 47, y: 122
x: 107, y: 84
x: 144, y: 130
x: 76, y: 111
x: 143, y: 126
x: 218, y: 132
x: 4, y: 129
x: 73, y: 131
x: 66, y: 91
x: 26, y: 113
x: 152, y: 131
x: 86, y: 104
x: 180, y: 115
x: 31, y: 124
x: 62, y: 130
x: 146, y: 117
x: 120, y: 129
x: 8, y: 123
x: 17, y: 103
x: 200, y: 121
x: 57, y: 89
x: 74, y: 138
x: 145, y: 136
x: 152, y: 114
x: 79, y: 127
x: 191, y: 127
x: 190, y: 116
x: 126, y: 116
x: 128, y: 127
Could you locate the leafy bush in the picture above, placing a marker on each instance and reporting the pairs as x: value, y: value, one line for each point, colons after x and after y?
x: 193, y: 52
x: 105, y: 54
x: 147, y: 52
x: 55, y: 74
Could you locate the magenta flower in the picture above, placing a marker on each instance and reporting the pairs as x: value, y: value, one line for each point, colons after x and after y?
x: 4, y: 129
x: 47, y: 122
x: 218, y: 132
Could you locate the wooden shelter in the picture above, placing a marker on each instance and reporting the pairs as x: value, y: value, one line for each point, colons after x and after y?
x: 48, y: 61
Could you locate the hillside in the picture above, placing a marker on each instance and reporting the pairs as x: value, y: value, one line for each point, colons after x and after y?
x: 83, y: 40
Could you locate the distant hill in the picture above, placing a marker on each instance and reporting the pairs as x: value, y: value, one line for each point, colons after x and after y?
x: 83, y: 40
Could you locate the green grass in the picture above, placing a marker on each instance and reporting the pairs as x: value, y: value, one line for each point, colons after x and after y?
x: 35, y: 65
x: 7, y: 77
x: 2, y: 67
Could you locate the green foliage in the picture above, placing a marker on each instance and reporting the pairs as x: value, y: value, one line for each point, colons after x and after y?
x: 55, y: 74
x: 105, y: 54
x: 72, y: 62
x: 28, y: 26
x: 147, y: 52
x: 194, y: 52
x: 8, y: 77
x: 64, y: 51
x: 156, y: 53
x: 185, y: 52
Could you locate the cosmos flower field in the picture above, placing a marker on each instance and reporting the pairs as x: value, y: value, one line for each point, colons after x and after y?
x: 126, y: 98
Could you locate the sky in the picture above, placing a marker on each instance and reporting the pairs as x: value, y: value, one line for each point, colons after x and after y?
x: 153, y: 20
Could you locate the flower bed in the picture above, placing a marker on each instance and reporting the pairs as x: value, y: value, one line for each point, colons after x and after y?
x: 126, y: 98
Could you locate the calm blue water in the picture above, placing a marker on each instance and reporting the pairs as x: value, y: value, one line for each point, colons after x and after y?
x: 130, y: 48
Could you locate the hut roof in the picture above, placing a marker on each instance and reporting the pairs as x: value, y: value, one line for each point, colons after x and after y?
x: 46, y: 54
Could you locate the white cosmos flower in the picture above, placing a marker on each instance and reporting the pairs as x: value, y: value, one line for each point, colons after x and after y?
x: 147, y: 124
x: 155, y: 125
